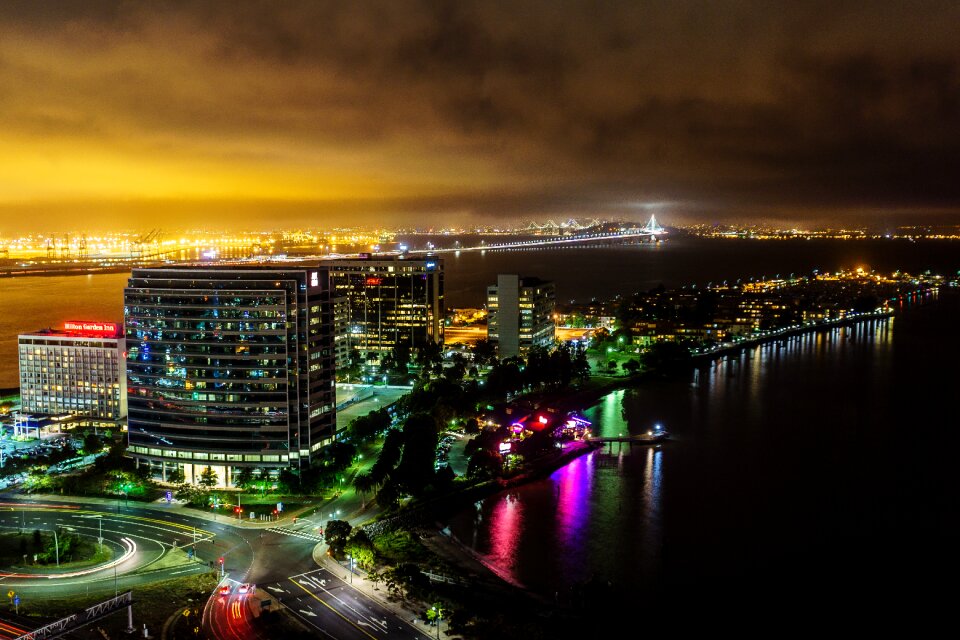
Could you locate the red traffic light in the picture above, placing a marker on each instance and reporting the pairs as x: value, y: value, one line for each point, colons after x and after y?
x: 221, y: 559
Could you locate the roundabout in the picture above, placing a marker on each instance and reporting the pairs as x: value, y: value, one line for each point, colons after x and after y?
x: 142, y: 548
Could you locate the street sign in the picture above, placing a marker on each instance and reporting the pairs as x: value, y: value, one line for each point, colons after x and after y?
x: 16, y: 600
x: 11, y: 593
x: 279, y: 506
x: 169, y: 496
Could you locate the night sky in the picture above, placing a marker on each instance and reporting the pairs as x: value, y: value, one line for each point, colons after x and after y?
x: 243, y: 114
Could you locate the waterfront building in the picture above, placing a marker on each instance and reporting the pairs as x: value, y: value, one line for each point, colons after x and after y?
x: 520, y: 314
x: 76, y: 370
x: 388, y: 300
x: 229, y: 367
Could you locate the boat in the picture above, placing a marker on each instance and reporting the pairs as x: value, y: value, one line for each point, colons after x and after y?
x: 652, y: 436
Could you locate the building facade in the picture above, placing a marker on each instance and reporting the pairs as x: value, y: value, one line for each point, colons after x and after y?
x: 520, y: 314
x: 229, y: 367
x: 388, y: 300
x: 77, y: 370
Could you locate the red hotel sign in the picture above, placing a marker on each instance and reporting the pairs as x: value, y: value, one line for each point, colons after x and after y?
x: 99, y: 329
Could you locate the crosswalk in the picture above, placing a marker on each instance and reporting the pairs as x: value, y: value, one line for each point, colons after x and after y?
x: 305, y: 535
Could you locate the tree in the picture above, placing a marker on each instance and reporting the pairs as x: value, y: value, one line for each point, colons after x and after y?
x: 415, y: 470
x: 364, y: 428
x: 208, y: 478
x: 436, y: 613
x: 484, y: 464
x: 175, y: 476
x: 484, y: 352
x: 192, y: 495
x: 666, y: 357
x: 631, y: 366
x: 400, y: 357
x: 581, y: 366
x: 288, y: 481
x: 243, y: 478
x: 405, y: 577
x: 389, y: 456
x: 364, y: 484
x: 456, y: 371
x: 338, y: 455
x: 91, y: 443
x: 336, y: 533
x: 360, y: 549
x: 389, y: 495
x: 429, y: 354
x: 600, y: 337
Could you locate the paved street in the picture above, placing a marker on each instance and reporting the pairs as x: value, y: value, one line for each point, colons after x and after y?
x: 326, y: 603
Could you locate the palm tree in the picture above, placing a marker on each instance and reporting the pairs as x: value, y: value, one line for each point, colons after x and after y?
x: 364, y: 484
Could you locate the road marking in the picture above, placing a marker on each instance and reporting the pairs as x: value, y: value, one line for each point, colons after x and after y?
x: 307, y: 612
x: 278, y: 589
x: 296, y: 534
x: 347, y: 620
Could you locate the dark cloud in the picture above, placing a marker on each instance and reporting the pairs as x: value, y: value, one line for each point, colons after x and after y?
x: 489, y: 108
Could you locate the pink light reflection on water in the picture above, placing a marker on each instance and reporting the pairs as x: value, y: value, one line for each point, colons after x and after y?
x: 506, y: 521
x: 573, y: 484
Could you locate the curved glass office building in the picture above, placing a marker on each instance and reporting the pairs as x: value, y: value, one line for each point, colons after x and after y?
x: 229, y: 367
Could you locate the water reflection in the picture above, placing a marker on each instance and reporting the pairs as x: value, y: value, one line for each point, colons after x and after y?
x: 746, y: 475
x: 504, y: 522
x: 573, y: 485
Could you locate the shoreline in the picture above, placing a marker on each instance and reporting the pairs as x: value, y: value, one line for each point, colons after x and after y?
x: 466, y: 559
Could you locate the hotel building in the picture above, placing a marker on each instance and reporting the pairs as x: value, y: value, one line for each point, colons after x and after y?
x: 229, y: 367
x: 520, y: 314
x: 76, y: 370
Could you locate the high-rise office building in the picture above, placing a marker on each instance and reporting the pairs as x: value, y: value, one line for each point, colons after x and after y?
x: 520, y: 314
x: 229, y: 367
x: 77, y: 370
x: 389, y: 300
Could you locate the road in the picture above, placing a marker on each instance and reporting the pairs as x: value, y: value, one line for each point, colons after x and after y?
x: 146, y: 548
x: 11, y: 628
x: 328, y: 605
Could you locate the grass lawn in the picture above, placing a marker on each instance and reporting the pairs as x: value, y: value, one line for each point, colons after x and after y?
x: 400, y: 546
x: 83, y: 552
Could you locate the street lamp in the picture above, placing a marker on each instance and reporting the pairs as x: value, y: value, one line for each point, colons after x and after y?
x: 350, y: 558
x: 56, y: 545
x: 438, y: 612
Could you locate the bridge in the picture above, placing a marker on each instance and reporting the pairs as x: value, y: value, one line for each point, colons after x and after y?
x: 91, y: 614
x: 655, y: 435
x: 652, y: 230
x: 571, y: 224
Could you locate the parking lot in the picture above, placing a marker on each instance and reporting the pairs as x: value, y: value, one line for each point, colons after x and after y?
x: 382, y: 396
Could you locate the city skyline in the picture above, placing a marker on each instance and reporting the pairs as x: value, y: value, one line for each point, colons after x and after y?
x: 223, y: 115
